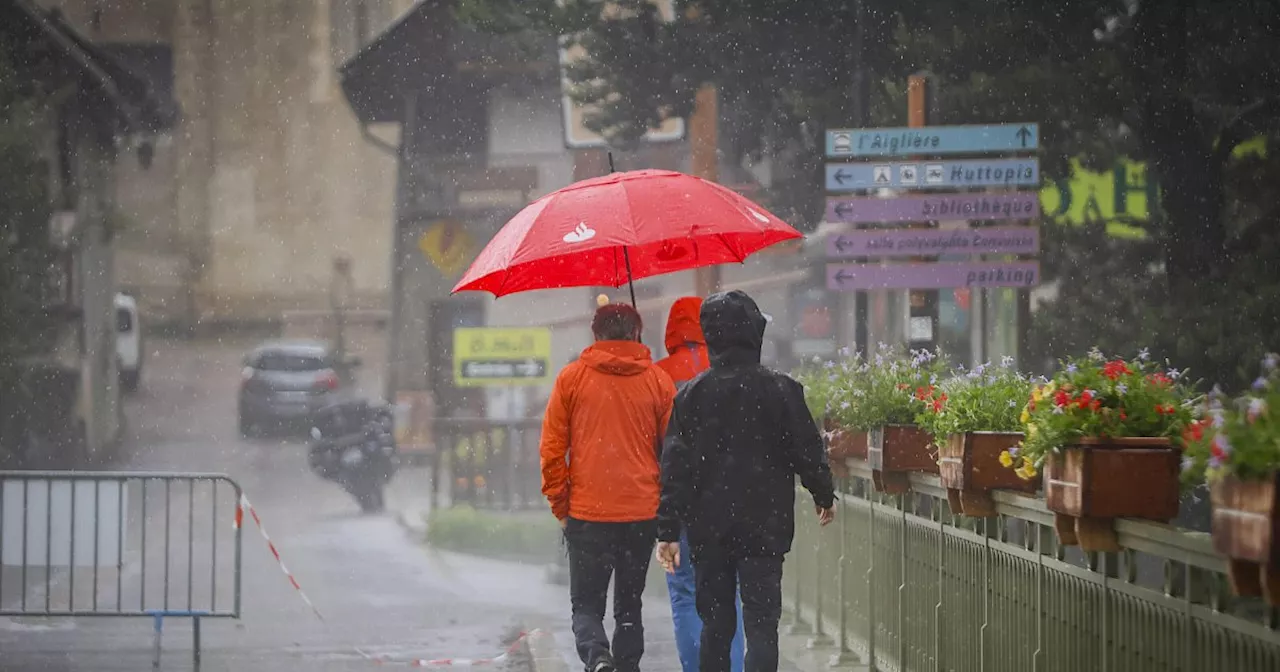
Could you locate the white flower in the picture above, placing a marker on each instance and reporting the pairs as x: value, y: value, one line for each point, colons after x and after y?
x: 1144, y: 354
x: 1096, y: 355
x: 844, y: 406
x: 1006, y: 361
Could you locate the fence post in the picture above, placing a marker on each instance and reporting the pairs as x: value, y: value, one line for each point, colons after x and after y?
x: 843, y: 655
x: 798, y: 626
x: 820, y: 637
x: 871, y: 583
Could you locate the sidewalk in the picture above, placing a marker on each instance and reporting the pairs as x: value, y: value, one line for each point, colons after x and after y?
x: 542, y: 605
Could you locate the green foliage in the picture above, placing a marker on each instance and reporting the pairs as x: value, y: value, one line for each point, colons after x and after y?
x: 1242, y: 439
x: 1093, y: 397
x: 887, y: 390
x: 529, y: 537
x: 986, y: 399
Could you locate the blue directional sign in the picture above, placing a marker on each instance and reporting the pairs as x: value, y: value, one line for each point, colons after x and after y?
x: 933, y: 174
x: 933, y: 140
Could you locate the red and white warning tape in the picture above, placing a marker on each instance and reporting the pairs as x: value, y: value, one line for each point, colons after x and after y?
x: 244, y: 505
x: 455, y: 662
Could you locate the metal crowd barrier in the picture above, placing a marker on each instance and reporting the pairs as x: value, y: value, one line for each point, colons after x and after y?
x: 492, y: 464
x: 122, y: 544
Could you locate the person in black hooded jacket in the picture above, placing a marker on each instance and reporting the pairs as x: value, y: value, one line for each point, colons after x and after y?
x: 739, y: 435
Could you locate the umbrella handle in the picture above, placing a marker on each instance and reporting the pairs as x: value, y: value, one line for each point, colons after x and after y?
x: 631, y: 284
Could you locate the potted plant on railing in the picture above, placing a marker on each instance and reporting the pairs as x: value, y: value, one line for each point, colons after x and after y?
x: 884, y: 401
x: 1107, y: 433
x: 1238, y: 450
x: 827, y: 388
x: 974, y: 420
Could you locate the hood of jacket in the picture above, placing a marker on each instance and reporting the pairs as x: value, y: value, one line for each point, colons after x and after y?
x: 734, y: 328
x: 683, y: 325
x: 617, y: 358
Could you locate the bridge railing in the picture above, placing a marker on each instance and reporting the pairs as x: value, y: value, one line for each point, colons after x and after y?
x: 901, y: 584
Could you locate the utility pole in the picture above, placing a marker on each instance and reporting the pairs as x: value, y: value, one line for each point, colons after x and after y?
x: 704, y: 144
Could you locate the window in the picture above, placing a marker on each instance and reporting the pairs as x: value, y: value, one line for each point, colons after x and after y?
x: 292, y: 362
x: 124, y: 321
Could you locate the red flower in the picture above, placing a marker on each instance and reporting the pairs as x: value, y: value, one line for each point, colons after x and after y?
x: 1160, y: 380
x: 1061, y: 398
x: 1095, y: 405
x: 1195, y: 431
x: 1115, y: 369
x: 1123, y: 416
x: 937, y: 405
x: 1165, y: 409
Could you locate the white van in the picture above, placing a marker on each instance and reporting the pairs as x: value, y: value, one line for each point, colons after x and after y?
x: 128, y: 342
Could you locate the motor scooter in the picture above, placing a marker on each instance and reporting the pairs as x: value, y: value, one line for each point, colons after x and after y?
x: 353, y: 444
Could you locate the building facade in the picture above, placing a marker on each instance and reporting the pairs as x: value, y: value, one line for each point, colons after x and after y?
x: 266, y: 178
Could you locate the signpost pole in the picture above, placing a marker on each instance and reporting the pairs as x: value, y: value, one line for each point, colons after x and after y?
x: 861, y: 117
x: 922, y: 304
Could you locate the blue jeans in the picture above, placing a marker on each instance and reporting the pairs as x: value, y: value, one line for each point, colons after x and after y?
x: 684, y: 613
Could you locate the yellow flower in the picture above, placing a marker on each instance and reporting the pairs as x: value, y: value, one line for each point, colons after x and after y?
x: 1022, y: 474
x: 1028, y: 468
x: 1037, y: 394
x: 1050, y: 388
x: 1006, y: 460
x: 1025, y: 417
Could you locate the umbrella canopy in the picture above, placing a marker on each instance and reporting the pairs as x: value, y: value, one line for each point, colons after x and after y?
x: 610, y: 230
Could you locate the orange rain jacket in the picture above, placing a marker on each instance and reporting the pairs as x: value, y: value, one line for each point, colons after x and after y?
x: 686, y: 346
x: 602, y: 434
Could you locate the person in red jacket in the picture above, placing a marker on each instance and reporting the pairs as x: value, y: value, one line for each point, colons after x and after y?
x: 686, y: 358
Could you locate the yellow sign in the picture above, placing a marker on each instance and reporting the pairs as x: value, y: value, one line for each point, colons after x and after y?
x: 484, y: 356
x: 1121, y: 197
x: 447, y: 246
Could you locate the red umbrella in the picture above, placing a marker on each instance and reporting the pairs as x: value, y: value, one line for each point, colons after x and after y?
x: 608, y: 231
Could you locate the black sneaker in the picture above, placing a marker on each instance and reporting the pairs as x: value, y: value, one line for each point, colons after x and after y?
x: 602, y: 665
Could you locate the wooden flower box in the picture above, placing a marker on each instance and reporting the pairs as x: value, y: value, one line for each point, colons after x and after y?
x: 894, y: 451
x: 1246, y: 529
x: 1095, y: 481
x: 843, y: 444
x: 970, y: 468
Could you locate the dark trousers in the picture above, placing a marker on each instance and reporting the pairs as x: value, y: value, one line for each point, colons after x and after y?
x: 721, y: 576
x: 597, y: 553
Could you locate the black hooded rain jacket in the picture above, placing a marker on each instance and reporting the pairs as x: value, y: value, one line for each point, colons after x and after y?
x: 739, y: 435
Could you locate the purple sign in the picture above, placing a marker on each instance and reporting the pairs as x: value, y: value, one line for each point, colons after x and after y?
x: 932, y: 275
x: 934, y: 242
x: 1020, y: 205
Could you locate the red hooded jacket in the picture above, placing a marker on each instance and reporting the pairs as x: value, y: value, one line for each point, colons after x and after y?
x: 686, y: 346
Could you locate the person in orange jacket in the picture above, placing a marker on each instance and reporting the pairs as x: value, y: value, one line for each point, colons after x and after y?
x: 686, y: 358
x: 601, y: 438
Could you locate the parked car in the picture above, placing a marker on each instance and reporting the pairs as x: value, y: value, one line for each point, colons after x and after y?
x: 283, y: 383
x: 128, y: 342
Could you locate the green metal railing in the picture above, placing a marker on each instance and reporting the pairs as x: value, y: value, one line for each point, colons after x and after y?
x: 900, y: 584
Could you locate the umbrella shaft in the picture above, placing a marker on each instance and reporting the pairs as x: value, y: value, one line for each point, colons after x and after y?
x: 631, y: 284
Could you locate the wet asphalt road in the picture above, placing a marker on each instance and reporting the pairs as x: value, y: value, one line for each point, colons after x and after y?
x: 380, y: 592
